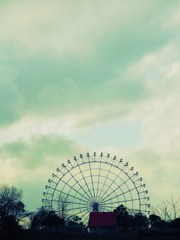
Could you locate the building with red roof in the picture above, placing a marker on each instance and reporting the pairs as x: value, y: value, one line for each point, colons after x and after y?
x: 102, y: 222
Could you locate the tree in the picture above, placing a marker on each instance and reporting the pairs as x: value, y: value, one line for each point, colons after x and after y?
x: 52, y: 220
x: 38, y: 219
x: 11, y: 206
x: 44, y: 218
x: 175, y: 223
x: 62, y: 206
x: 124, y: 219
x: 139, y: 221
x: 155, y: 221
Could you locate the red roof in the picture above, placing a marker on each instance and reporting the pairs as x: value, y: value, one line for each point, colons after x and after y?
x: 102, y: 219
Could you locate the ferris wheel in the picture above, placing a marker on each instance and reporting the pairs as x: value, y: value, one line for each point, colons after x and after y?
x: 95, y: 183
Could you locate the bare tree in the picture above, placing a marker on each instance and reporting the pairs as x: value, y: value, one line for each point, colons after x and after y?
x: 62, y: 207
x: 168, y: 210
x: 174, y: 207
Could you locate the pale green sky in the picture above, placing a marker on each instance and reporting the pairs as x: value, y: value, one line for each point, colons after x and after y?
x: 84, y: 76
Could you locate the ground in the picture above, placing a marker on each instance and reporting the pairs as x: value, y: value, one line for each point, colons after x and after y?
x: 42, y: 235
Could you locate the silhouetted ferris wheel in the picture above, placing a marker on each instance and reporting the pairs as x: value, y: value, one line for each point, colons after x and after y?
x: 95, y: 183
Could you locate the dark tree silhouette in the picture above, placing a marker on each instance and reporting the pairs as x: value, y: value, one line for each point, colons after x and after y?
x: 140, y: 221
x: 52, y: 220
x: 46, y: 219
x: 175, y: 223
x: 38, y: 219
x: 11, y: 207
x: 155, y: 221
x: 124, y: 219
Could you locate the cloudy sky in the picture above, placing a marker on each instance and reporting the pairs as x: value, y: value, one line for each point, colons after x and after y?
x: 83, y: 76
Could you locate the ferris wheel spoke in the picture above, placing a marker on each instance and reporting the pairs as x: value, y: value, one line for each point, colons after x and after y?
x: 108, y: 200
x: 101, y: 195
x: 129, y: 200
x: 107, y: 205
x: 117, y: 176
x: 71, y: 202
x: 76, y: 208
x: 76, y: 181
x: 92, y: 183
x: 106, y: 209
x: 80, y: 212
x: 82, y: 197
x: 106, y: 192
x: 105, y: 179
x: 77, y: 192
x: 97, y: 191
x: 85, y: 219
x: 71, y: 187
x: 124, y: 183
x: 124, y: 201
x: 120, y: 195
x: 89, y: 200
x: 84, y: 214
x: 89, y: 192
x: 112, y: 182
x: 73, y: 196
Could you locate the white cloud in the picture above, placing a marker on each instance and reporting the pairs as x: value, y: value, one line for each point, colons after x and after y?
x: 30, y: 126
x: 158, y: 153
x: 55, y: 27
x: 173, y: 22
x: 160, y: 112
x: 66, y: 27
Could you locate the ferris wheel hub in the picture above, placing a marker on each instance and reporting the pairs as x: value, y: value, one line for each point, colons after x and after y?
x: 96, y: 207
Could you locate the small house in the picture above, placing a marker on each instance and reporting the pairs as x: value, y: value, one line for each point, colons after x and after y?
x: 102, y: 222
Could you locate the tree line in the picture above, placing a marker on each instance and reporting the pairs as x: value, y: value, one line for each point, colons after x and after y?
x: 14, y: 216
x: 127, y: 220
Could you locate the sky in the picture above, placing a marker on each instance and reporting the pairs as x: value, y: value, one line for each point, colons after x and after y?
x: 89, y: 76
